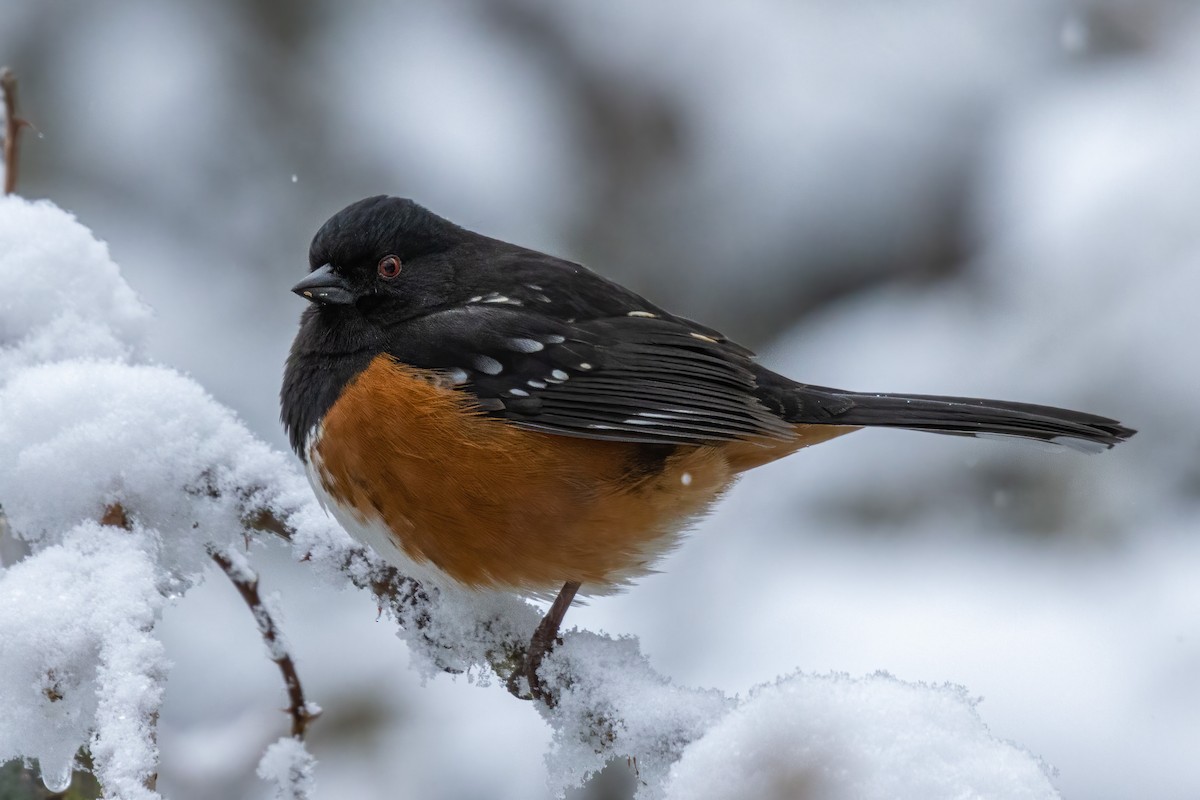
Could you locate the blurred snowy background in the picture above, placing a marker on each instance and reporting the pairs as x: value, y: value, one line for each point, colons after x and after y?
x: 993, y: 198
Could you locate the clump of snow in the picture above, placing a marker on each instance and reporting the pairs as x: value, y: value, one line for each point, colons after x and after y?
x: 79, y: 660
x: 614, y: 704
x: 288, y: 766
x: 464, y: 631
x: 827, y: 737
x: 63, y: 296
x: 143, y: 436
x: 874, y: 738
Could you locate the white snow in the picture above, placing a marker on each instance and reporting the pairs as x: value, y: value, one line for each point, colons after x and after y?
x: 288, y: 766
x: 78, y: 659
x: 834, y: 737
x: 644, y: 715
x: 239, y: 566
x: 63, y: 296
x: 84, y: 427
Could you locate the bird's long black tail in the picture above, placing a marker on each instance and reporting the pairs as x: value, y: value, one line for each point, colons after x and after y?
x: 959, y: 416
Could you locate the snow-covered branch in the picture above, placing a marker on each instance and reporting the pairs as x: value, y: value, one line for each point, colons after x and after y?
x: 125, y: 479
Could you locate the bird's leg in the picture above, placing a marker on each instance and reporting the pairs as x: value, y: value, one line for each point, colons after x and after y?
x: 545, y: 637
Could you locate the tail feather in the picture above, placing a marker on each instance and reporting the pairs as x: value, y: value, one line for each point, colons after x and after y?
x: 960, y: 416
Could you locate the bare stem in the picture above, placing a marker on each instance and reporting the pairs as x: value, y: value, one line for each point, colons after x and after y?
x: 246, y: 582
x: 12, y: 128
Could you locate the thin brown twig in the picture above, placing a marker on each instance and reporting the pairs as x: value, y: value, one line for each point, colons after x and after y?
x: 12, y: 128
x: 246, y: 582
x: 543, y: 640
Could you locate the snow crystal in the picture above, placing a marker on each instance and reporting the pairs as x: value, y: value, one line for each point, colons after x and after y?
x: 80, y: 663
x: 289, y: 766
x: 875, y: 738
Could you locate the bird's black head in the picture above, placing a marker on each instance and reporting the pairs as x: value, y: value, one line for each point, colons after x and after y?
x: 381, y: 256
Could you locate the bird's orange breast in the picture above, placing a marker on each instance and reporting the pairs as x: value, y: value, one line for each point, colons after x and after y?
x: 494, y: 505
x: 491, y: 504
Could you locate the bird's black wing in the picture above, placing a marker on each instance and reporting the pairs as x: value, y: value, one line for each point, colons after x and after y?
x: 639, y: 377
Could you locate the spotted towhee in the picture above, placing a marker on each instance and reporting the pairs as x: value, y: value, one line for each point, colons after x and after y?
x: 498, y: 417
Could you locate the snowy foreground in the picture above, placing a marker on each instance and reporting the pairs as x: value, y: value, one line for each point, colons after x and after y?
x: 88, y: 424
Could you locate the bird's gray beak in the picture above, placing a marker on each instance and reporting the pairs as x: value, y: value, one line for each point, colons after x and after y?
x: 325, y: 286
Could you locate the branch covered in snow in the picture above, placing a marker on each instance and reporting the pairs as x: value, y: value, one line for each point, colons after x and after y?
x: 164, y: 479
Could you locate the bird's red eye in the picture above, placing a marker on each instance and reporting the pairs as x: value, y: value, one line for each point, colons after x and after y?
x: 389, y: 267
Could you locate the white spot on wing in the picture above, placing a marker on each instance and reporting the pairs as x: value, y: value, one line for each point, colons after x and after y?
x: 488, y: 365
x: 536, y: 384
x: 686, y: 479
x: 522, y: 345
x: 559, y: 375
x: 642, y: 314
x: 496, y: 297
x: 554, y: 338
x: 585, y: 366
x: 457, y: 376
x: 518, y: 393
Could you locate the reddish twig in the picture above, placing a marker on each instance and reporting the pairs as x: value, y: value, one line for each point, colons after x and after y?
x: 12, y: 128
x: 246, y: 582
x: 544, y: 639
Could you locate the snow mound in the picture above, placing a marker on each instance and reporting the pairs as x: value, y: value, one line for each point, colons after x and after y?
x: 63, y: 296
x: 874, y: 738
x: 142, y: 436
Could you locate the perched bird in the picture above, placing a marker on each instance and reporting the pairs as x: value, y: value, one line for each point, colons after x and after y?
x: 490, y: 415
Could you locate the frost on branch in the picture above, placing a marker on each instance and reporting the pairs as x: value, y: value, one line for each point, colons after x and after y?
x: 288, y: 766
x: 86, y: 425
